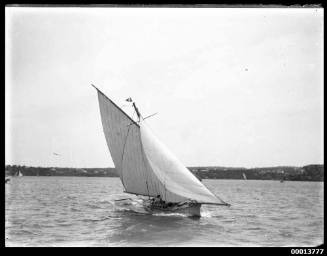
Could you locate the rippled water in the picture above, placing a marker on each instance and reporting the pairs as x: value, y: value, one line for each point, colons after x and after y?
x: 79, y: 211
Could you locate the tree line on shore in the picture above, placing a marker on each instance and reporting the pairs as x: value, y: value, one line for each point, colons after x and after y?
x: 306, y: 173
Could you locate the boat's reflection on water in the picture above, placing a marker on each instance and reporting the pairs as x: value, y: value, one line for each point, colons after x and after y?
x: 144, y: 229
x: 134, y: 226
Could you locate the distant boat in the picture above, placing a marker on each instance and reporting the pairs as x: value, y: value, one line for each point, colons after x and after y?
x: 283, y: 177
x: 244, y: 176
x: 146, y: 167
x: 83, y: 171
x: 19, y: 174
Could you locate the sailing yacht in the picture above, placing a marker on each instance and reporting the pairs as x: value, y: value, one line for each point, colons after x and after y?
x: 146, y: 167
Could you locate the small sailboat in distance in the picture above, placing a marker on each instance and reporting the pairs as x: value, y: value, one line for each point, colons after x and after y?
x: 283, y: 177
x: 244, y: 176
x: 147, y: 168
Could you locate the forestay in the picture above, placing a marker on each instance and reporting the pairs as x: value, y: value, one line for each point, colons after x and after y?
x: 145, y: 166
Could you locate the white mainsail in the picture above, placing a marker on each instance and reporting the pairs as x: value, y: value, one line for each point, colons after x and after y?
x: 144, y: 164
x: 124, y: 143
x: 244, y: 176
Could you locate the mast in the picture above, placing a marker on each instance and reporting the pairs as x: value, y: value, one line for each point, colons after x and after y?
x: 137, y: 111
x: 139, y: 117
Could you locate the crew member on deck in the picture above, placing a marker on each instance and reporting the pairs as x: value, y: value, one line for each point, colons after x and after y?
x: 158, y: 199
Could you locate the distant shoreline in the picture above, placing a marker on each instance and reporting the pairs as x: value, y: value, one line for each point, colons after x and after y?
x: 314, y: 172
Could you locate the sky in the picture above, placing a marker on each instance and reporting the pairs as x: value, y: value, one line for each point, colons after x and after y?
x: 236, y: 87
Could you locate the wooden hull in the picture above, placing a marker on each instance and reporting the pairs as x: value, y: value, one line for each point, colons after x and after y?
x: 190, y: 209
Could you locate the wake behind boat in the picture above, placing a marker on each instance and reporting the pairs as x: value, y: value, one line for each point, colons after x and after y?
x: 147, y: 168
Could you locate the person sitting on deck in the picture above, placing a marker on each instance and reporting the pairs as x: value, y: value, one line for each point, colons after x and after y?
x: 158, y: 201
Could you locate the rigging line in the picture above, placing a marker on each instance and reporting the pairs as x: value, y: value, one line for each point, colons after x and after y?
x: 122, y: 158
x: 154, y: 183
x: 165, y: 189
x: 149, y: 116
x: 208, y: 188
x: 146, y: 177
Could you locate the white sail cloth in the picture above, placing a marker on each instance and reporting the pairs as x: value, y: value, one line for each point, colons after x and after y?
x: 171, y: 172
x: 144, y: 165
x: 124, y: 143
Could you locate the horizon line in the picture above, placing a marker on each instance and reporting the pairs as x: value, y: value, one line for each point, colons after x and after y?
x: 207, y: 166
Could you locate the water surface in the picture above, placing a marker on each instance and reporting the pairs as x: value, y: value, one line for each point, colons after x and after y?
x: 80, y: 211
